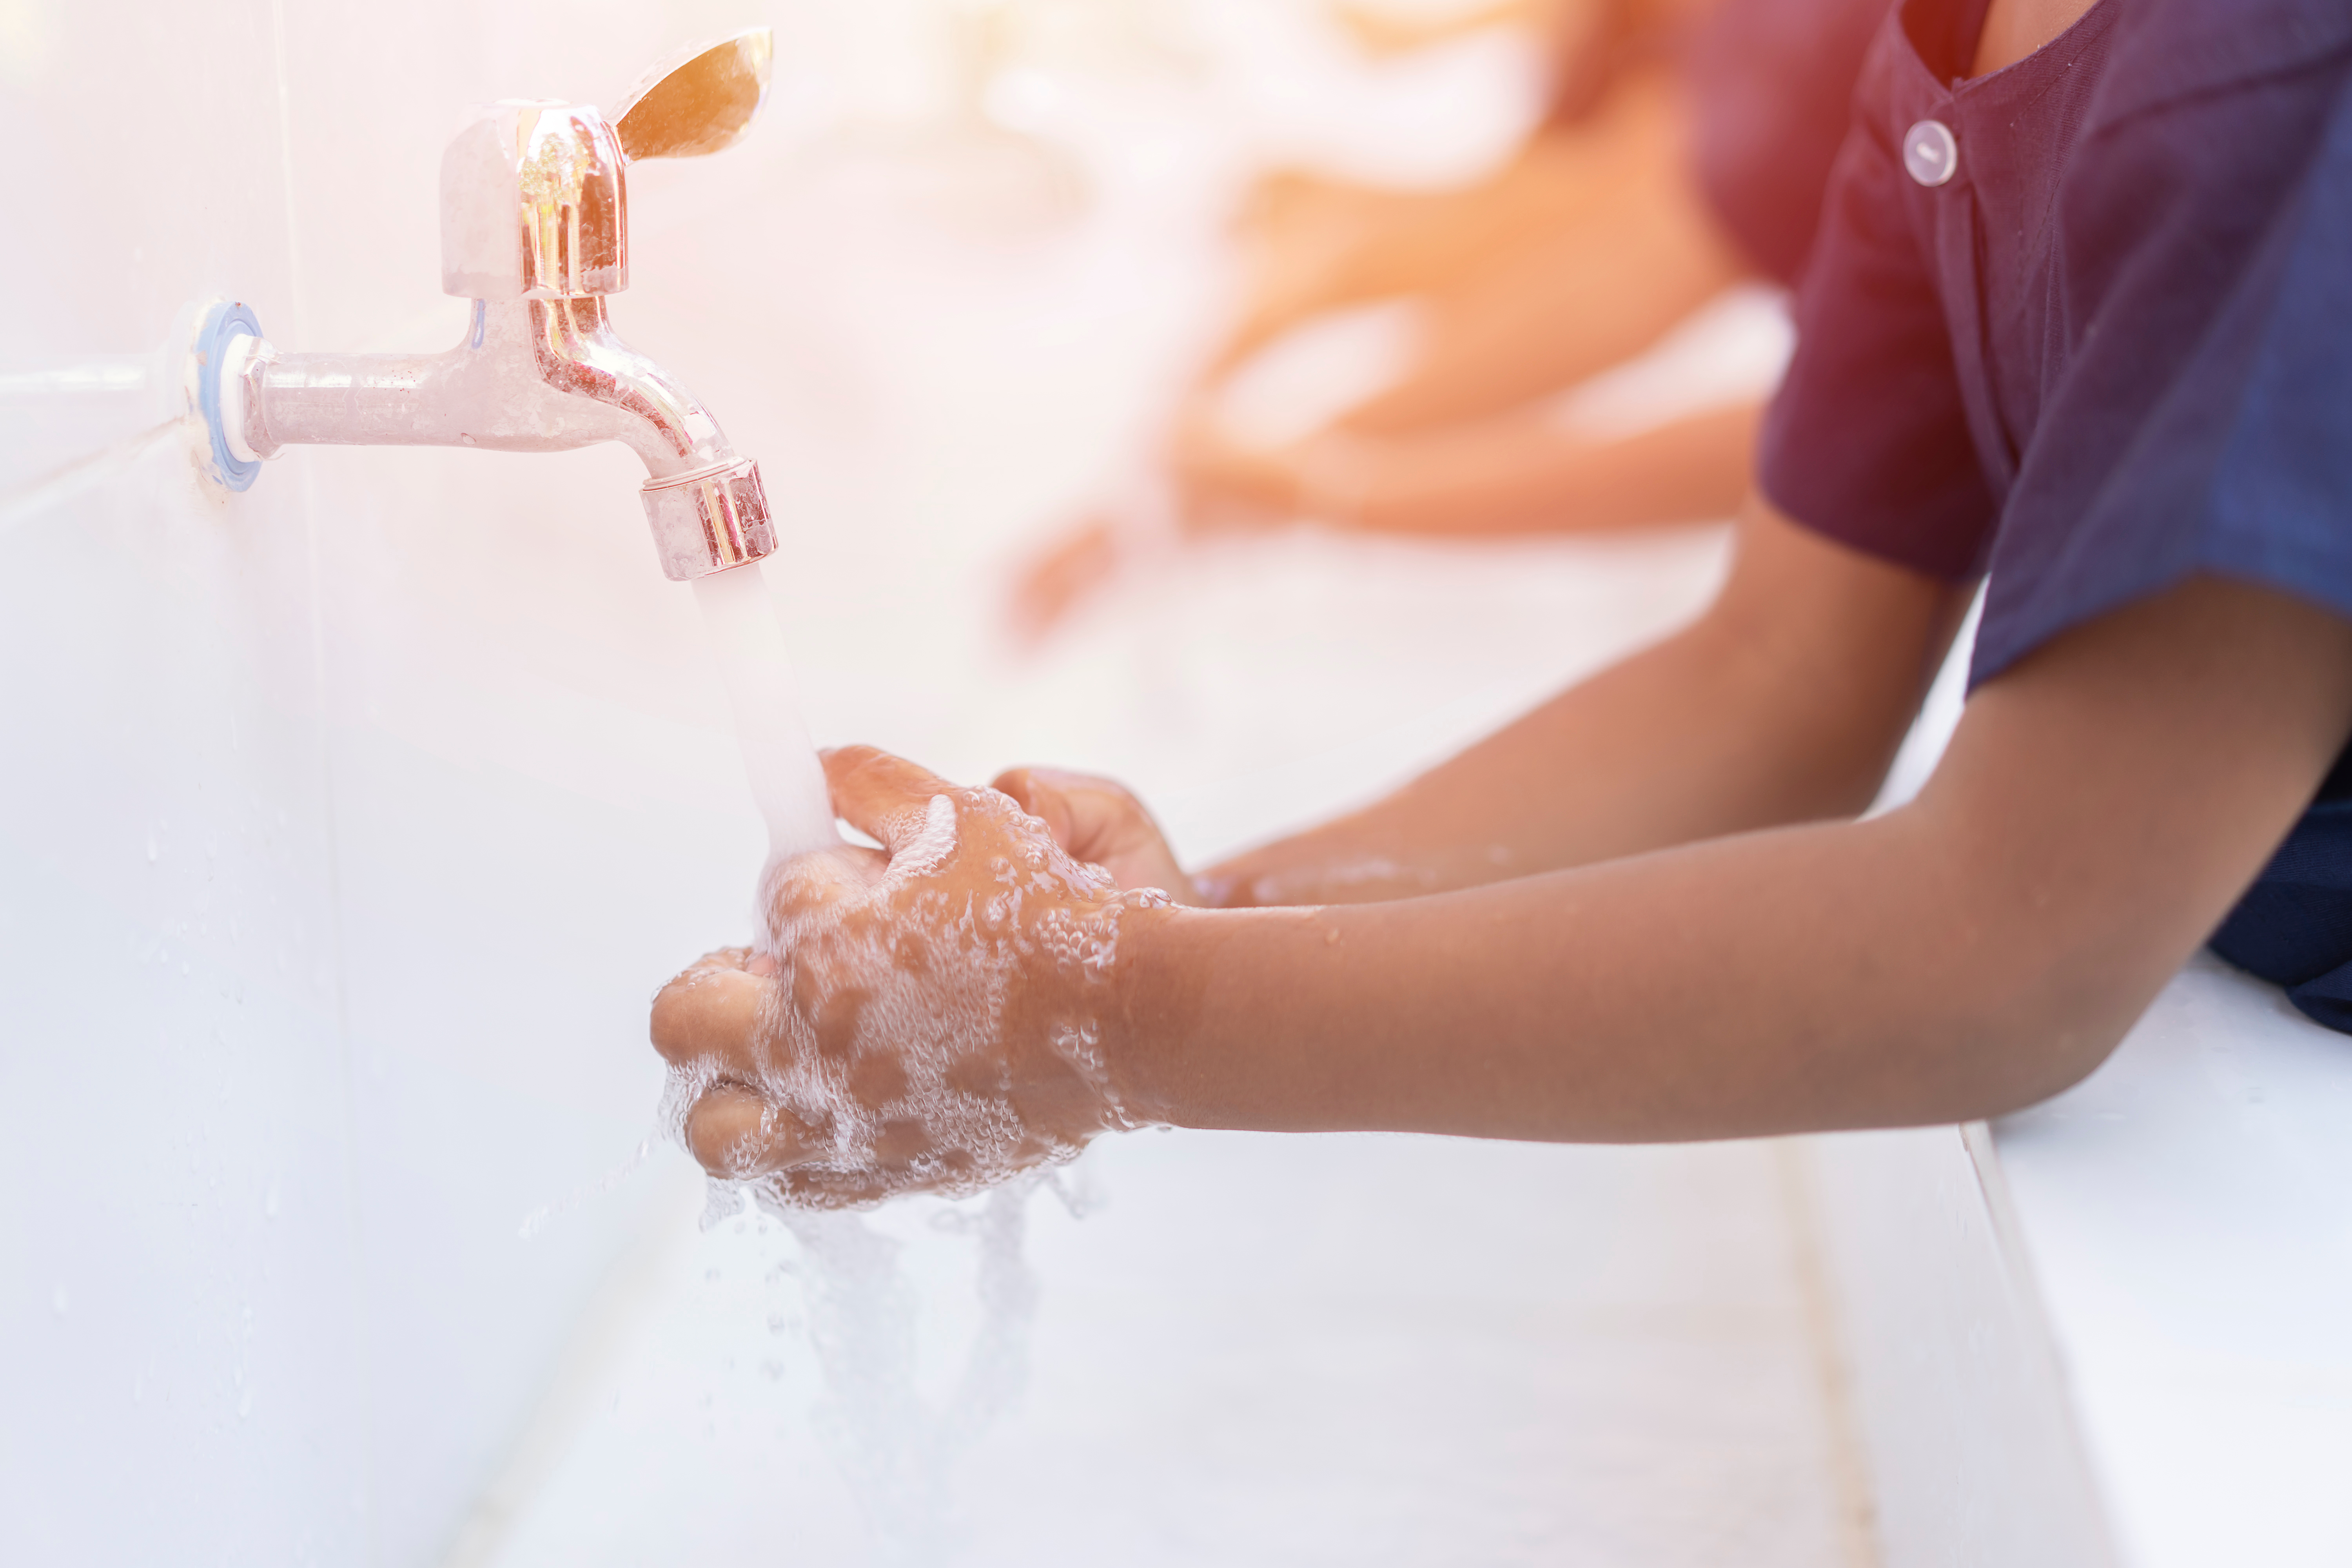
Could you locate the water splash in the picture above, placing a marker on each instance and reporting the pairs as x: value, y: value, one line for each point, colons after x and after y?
x: 537, y: 1221
x: 896, y: 1448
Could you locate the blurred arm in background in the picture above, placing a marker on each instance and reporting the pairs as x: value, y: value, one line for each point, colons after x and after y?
x: 1687, y: 150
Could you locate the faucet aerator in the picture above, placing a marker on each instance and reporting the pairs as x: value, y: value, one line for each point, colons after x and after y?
x: 709, y: 521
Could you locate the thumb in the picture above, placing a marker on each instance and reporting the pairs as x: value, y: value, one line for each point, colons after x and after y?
x: 1037, y: 792
x: 887, y: 798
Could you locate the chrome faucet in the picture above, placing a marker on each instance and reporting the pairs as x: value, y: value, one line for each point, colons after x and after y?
x: 535, y: 232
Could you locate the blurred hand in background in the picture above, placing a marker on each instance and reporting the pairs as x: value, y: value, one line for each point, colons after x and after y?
x: 1685, y: 150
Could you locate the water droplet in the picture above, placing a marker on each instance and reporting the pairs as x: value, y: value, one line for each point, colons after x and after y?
x: 154, y: 850
x: 245, y: 1405
x: 61, y: 1300
x: 269, y: 1203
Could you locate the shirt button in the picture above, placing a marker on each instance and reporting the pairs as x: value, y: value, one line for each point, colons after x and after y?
x: 1930, y: 154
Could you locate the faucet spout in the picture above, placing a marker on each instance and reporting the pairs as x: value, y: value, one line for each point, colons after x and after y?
x: 535, y: 232
x: 530, y: 376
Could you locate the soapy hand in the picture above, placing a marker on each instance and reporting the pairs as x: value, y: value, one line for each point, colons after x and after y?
x: 928, y: 1017
x: 1100, y: 822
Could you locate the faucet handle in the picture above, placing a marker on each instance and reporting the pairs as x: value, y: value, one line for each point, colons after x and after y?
x: 700, y: 99
x: 533, y: 205
x: 534, y: 202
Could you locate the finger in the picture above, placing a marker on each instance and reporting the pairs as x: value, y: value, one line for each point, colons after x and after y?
x: 1228, y: 486
x: 1039, y: 792
x: 710, y: 1013
x: 1049, y: 586
x: 732, y: 1132
x: 886, y: 797
x: 1099, y: 821
x: 809, y: 882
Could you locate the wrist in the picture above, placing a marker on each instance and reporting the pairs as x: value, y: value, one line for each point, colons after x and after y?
x: 1153, y: 1012
x: 1225, y: 886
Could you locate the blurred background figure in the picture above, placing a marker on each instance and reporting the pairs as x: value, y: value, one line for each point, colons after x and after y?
x: 1682, y: 153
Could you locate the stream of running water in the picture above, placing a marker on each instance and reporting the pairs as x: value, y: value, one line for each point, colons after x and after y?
x: 787, y: 781
x: 895, y: 1449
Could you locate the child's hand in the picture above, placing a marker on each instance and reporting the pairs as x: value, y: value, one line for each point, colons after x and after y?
x: 925, y: 1017
x: 1100, y: 822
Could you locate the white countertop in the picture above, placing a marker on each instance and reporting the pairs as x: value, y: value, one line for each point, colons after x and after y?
x: 2187, y: 1214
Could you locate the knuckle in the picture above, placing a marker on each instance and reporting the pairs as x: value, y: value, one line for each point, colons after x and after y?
x: 672, y: 1021
x: 724, y: 1139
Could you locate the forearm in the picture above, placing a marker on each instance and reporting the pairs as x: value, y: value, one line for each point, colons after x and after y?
x: 1746, y: 986
x: 2101, y: 806
x: 1784, y: 704
x: 2103, y: 802
x: 1563, y: 187
x: 1528, y: 475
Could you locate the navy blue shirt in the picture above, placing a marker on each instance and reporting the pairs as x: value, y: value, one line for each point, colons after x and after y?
x: 2093, y: 337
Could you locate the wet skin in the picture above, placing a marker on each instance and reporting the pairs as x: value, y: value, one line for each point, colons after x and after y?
x: 920, y: 1016
x: 1644, y: 912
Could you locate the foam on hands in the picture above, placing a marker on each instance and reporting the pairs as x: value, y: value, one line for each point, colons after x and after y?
x: 890, y: 1039
x: 904, y: 1047
x: 786, y: 778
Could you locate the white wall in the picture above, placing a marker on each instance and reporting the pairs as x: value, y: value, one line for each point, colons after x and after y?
x: 345, y: 826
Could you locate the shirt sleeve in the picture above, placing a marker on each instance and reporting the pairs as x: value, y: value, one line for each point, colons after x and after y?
x: 2204, y: 423
x: 1868, y: 441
